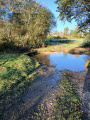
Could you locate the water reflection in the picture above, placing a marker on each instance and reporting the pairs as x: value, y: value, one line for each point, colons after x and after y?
x: 65, y: 61
x: 43, y: 58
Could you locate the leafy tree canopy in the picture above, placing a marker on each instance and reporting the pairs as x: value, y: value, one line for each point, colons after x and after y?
x: 75, y: 9
x: 25, y: 22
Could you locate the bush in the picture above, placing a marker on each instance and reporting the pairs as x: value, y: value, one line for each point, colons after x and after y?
x: 57, y: 37
x: 87, y: 41
x: 7, y: 46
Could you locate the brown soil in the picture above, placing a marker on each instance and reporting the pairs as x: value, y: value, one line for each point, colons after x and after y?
x: 80, y: 50
x: 76, y: 50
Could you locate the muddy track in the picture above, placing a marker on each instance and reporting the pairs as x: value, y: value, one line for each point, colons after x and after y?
x: 82, y: 82
x: 40, y: 90
x: 44, y: 90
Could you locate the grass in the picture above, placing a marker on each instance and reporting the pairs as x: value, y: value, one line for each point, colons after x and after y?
x: 16, y: 73
x: 45, y: 49
x: 68, y: 44
x: 68, y: 106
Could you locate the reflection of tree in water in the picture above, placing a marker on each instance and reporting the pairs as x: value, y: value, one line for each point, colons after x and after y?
x: 44, y: 58
x: 77, y: 56
x: 87, y: 62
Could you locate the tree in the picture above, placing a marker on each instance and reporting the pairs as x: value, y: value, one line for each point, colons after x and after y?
x: 77, y: 33
x: 75, y: 9
x: 40, y: 23
x: 26, y: 22
x: 66, y: 30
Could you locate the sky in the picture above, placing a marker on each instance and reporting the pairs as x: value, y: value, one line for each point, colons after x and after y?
x: 60, y: 24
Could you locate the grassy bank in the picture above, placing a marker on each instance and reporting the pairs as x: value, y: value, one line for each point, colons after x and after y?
x: 68, y: 106
x: 17, y: 71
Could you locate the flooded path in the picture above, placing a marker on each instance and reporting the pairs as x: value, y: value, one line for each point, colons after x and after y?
x: 61, y: 60
x: 45, y: 88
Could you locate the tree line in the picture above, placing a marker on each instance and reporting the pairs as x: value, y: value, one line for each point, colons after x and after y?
x: 24, y: 23
x: 69, y: 34
x: 79, y: 10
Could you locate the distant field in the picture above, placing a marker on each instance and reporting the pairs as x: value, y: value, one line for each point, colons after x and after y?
x: 54, y: 41
x: 67, y: 44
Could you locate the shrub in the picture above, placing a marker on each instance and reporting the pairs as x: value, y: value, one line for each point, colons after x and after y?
x: 87, y: 41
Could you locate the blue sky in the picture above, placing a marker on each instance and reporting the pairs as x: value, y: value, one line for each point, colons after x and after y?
x: 60, y: 24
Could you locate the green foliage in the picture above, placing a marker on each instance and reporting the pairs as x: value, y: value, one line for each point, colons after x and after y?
x: 76, y: 34
x: 89, y: 66
x: 75, y: 9
x: 66, y: 30
x: 17, y: 71
x: 88, y: 38
x: 87, y: 41
x: 25, y: 23
x: 68, y: 34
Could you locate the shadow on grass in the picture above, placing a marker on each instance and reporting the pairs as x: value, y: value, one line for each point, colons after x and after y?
x: 58, y: 41
x: 86, y: 45
x: 11, y: 47
x: 16, y: 73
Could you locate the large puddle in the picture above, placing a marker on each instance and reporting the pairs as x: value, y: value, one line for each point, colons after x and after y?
x: 65, y: 61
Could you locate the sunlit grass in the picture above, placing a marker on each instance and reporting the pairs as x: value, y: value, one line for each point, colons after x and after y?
x: 45, y: 49
x: 15, y: 69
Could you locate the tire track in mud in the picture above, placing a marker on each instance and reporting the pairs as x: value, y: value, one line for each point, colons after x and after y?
x: 40, y: 91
